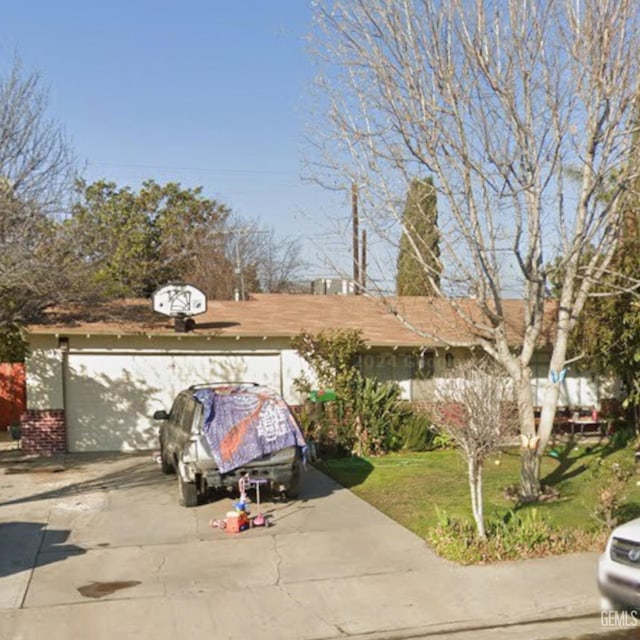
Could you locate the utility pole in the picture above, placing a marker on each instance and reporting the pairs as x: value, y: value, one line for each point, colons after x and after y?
x: 239, y: 290
x: 363, y: 263
x: 356, y: 234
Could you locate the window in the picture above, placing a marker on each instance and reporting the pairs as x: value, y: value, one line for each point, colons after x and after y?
x: 423, y: 365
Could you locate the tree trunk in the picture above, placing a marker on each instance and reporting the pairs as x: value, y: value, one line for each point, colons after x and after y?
x: 529, y: 475
x: 552, y: 390
x: 529, y: 466
x: 475, y: 487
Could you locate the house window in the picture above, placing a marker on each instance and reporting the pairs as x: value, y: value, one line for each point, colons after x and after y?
x: 448, y: 359
x: 423, y: 365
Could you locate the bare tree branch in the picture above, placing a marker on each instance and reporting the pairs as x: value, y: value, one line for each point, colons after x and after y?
x: 496, y: 101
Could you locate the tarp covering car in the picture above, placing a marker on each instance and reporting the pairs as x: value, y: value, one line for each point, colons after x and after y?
x: 244, y: 423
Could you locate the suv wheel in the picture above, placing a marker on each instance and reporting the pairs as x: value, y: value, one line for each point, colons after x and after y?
x: 187, y: 492
x: 293, y: 490
x: 167, y: 467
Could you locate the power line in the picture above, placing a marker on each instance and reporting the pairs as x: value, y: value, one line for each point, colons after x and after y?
x: 204, y: 169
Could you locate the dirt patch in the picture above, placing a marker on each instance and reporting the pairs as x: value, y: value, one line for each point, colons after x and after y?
x: 101, y: 589
x: 35, y: 469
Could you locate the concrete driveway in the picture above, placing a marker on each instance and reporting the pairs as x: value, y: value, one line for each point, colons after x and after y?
x: 97, y: 547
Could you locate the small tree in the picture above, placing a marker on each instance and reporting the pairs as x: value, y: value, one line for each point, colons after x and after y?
x: 333, y: 356
x: 476, y: 409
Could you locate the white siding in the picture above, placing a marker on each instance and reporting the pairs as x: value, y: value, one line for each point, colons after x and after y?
x: 44, y: 374
x: 293, y: 366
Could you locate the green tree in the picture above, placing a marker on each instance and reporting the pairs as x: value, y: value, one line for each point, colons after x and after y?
x: 607, y: 335
x: 419, y: 265
x: 370, y: 412
x: 333, y: 356
x: 134, y: 242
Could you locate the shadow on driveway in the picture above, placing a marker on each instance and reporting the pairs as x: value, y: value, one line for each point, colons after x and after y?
x: 25, y: 546
x: 109, y: 472
x: 98, y: 472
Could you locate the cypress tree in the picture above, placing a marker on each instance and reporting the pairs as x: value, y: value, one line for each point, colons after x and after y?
x: 419, y: 265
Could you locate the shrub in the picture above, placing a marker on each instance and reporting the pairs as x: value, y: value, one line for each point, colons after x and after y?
x: 610, y: 479
x: 416, y: 433
x: 509, y: 537
x: 378, y: 413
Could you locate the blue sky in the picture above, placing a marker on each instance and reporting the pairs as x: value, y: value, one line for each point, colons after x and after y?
x: 210, y: 93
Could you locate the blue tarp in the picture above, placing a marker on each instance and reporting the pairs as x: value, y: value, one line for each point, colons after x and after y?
x: 245, y: 423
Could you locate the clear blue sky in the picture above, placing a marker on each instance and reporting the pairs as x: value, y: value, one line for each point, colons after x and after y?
x: 204, y: 92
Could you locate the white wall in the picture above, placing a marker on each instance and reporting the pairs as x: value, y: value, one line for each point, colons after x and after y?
x: 44, y: 374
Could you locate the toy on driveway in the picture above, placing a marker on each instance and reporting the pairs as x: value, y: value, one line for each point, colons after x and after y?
x: 259, y: 520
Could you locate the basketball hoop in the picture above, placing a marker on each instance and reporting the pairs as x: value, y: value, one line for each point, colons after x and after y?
x: 179, y: 301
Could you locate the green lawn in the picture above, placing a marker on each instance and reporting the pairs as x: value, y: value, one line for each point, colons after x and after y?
x: 410, y: 487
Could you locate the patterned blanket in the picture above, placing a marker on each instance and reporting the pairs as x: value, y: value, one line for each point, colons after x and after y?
x: 245, y: 423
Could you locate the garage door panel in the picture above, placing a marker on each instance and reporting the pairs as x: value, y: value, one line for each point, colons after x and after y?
x: 110, y: 398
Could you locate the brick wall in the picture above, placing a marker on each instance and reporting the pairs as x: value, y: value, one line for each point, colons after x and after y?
x: 43, y: 432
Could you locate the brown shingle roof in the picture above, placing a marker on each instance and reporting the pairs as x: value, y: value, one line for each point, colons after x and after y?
x: 281, y: 315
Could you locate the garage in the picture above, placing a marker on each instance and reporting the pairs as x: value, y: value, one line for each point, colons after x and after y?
x: 110, y: 397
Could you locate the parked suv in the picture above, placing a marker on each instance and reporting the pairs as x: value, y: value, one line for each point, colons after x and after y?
x: 619, y: 568
x: 218, y: 433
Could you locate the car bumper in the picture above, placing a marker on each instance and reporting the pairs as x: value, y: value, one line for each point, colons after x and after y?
x: 619, y: 583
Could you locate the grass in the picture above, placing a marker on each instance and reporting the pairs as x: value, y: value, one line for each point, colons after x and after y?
x: 411, y: 487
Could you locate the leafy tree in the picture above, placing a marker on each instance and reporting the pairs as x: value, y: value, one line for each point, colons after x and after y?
x: 495, y: 101
x: 606, y: 338
x: 370, y: 411
x: 134, y: 242
x: 419, y: 265
x: 333, y: 356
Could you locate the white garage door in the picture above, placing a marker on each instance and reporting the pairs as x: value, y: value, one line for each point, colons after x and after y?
x: 110, y: 398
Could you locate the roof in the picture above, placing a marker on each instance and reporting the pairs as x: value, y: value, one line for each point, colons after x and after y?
x: 287, y: 315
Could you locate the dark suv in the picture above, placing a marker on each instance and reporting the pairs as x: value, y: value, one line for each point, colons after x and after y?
x: 218, y: 433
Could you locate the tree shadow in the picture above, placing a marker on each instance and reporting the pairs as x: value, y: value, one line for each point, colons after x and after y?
x: 572, y: 451
x: 348, y: 471
x: 27, y: 545
x: 132, y: 470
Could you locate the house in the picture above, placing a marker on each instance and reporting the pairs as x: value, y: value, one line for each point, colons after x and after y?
x: 95, y: 375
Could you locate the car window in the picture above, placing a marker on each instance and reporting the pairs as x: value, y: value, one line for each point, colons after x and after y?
x: 186, y: 420
x: 177, y: 410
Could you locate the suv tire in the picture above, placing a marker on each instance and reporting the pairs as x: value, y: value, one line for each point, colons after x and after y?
x: 187, y: 492
x: 293, y: 490
x: 167, y: 467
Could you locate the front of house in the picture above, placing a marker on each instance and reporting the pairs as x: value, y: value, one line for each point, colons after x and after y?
x: 95, y: 377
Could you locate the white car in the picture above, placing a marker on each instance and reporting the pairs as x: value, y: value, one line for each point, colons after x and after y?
x: 619, y: 568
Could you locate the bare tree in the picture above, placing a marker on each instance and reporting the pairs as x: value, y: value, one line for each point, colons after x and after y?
x: 477, y: 410
x: 280, y: 262
x: 272, y: 264
x: 245, y: 257
x: 496, y: 100
x: 36, y: 162
x: 36, y: 178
